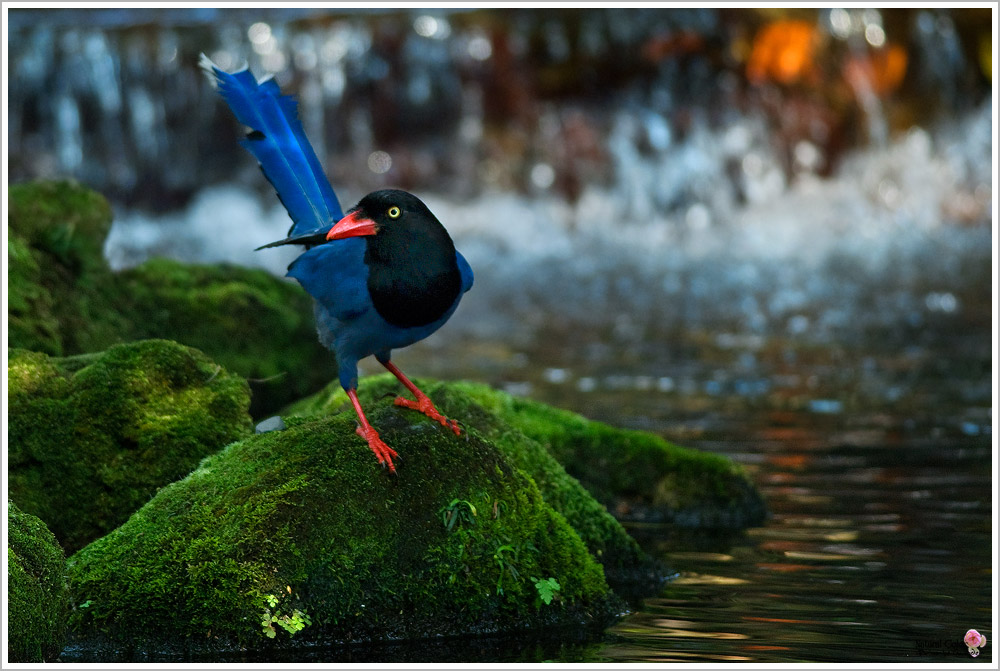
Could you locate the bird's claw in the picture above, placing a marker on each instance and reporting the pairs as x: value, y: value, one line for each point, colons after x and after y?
x: 383, y: 452
x: 423, y: 404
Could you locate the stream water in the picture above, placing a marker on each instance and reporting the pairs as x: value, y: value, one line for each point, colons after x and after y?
x: 878, y: 549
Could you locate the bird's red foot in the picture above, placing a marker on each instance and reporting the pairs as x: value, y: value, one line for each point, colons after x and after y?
x: 383, y: 452
x: 423, y: 404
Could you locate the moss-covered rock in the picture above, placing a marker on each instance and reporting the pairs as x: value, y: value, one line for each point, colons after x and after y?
x: 301, y: 530
x: 59, y: 285
x: 92, y: 437
x: 249, y: 321
x: 62, y: 219
x: 65, y: 300
x: 37, y: 594
x: 637, y: 475
x: 32, y: 322
x: 478, y: 405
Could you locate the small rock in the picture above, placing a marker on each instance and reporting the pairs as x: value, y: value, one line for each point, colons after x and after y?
x: 271, y: 424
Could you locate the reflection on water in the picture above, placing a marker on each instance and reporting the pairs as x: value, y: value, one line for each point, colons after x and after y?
x: 875, y: 552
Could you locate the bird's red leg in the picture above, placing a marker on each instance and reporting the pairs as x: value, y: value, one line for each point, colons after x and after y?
x: 423, y: 402
x: 383, y: 452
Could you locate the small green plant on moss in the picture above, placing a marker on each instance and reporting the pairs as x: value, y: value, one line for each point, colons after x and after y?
x: 292, y: 623
x: 458, y: 510
x: 547, y: 589
x: 505, y: 556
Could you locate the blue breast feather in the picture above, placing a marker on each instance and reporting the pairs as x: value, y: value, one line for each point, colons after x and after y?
x: 335, y: 274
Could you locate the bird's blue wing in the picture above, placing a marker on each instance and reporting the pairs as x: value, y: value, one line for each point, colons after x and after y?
x: 335, y: 275
x: 465, y: 270
x: 280, y: 146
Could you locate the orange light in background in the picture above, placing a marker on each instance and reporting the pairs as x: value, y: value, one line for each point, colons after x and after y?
x: 881, y: 70
x: 782, y: 52
x: 785, y: 568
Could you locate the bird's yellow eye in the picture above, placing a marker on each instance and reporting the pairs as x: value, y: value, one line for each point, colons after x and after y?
x: 394, y: 212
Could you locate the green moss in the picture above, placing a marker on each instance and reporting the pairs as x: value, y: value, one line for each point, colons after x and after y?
x: 62, y: 219
x: 636, y: 471
x: 305, y: 521
x: 37, y: 594
x: 63, y: 299
x: 604, y: 536
x: 246, y: 319
x: 32, y: 322
x: 636, y: 474
x: 92, y: 437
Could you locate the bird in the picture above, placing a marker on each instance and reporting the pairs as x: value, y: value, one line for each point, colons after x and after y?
x: 383, y: 275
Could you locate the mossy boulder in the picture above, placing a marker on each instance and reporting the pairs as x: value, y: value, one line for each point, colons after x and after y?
x: 638, y: 476
x: 65, y: 300
x: 625, y: 564
x: 32, y: 322
x: 298, y: 537
x: 64, y: 220
x: 58, y: 281
x: 251, y: 322
x: 92, y: 437
x: 37, y: 593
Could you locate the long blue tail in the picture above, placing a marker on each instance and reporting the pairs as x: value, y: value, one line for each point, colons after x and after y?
x: 280, y: 146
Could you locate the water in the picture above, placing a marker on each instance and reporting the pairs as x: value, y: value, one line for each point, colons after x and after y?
x: 854, y: 385
x: 877, y: 550
x: 514, y: 99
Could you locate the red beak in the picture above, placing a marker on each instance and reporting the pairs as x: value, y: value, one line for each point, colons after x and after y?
x: 351, y: 226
